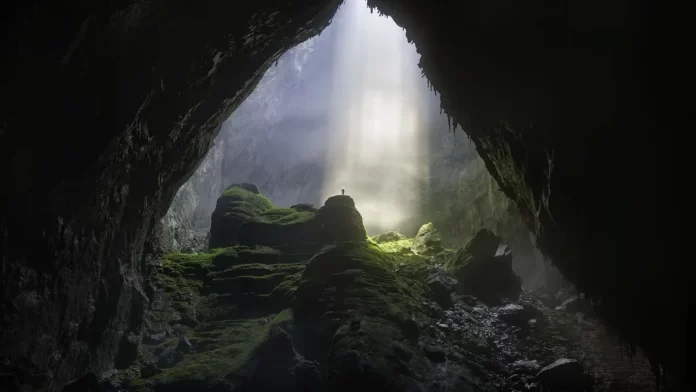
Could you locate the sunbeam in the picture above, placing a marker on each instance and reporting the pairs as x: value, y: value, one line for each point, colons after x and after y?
x: 378, y: 151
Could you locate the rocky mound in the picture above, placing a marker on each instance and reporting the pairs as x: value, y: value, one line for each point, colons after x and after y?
x: 389, y: 236
x: 337, y: 221
x: 239, y: 203
x: 483, y: 268
x: 349, y: 315
x: 427, y: 240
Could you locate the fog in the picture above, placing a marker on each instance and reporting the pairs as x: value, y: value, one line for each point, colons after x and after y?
x: 377, y: 119
x: 348, y: 109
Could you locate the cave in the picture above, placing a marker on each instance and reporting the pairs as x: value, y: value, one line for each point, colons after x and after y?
x: 562, y: 102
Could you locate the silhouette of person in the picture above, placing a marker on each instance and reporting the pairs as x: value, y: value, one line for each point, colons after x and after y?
x: 343, y: 191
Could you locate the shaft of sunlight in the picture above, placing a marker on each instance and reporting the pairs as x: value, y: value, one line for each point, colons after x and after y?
x: 379, y: 151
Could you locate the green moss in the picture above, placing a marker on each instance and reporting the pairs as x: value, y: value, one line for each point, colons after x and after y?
x: 398, y: 246
x: 337, y: 221
x: 228, y: 348
x: 286, y: 216
x: 181, y: 277
x: 365, y: 276
x: 236, y: 206
x: 257, y: 201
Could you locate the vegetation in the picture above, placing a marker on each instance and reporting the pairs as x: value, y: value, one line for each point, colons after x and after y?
x: 286, y: 216
x: 228, y: 302
x: 238, y: 204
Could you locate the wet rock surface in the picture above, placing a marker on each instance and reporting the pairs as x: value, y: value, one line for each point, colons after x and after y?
x: 483, y: 268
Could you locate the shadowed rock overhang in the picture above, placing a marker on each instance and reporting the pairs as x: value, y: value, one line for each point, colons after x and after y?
x: 576, y: 109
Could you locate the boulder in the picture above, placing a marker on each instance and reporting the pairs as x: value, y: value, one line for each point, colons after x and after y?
x: 427, y: 240
x: 389, y: 237
x: 483, y: 268
x: 564, y: 375
x: 441, y: 286
x: 155, y: 338
x: 518, y: 315
x: 281, y: 367
x: 434, y: 353
x: 240, y: 203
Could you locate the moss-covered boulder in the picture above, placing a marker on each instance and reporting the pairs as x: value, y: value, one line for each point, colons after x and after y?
x: 428, y: 240
x: 354, y: 290
x: 337, y: 221
x: 226, y: 305
x: 239, y: 203
x: 483, y: 268
x: 389, y: 236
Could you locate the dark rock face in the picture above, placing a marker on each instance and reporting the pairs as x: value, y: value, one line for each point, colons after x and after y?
x: 441, y: 285
x: 567, y: 156
x: 240, y: 203
x: 138, y: 90
x: 565, y: 375
x: 483, y: 268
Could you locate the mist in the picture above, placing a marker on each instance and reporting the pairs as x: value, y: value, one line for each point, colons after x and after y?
x: 349, y: 109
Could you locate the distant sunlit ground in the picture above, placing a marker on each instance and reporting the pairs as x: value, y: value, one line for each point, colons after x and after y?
x: 379, y: 153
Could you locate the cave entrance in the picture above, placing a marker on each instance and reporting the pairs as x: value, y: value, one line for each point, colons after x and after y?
x: 350, y: 109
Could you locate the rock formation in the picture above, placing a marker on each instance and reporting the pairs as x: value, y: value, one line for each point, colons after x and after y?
x: 108, y: 109
x: 337, y: 314
x: 239, y: 204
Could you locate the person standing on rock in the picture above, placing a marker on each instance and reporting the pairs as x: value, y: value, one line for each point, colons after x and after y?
x: 343, y: 191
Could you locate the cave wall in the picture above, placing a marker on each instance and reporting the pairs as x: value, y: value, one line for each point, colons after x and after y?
x: 187, y: 221
x: 107, y: 108
x: 564, y: 101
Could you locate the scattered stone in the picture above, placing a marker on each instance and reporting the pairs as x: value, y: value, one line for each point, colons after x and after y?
x: 155, y: 338
x: 518, y: 315
x: 434, y: 353
x: 564, y: 375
